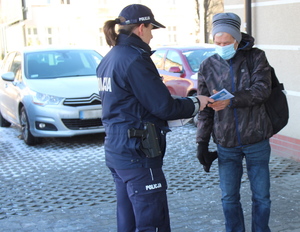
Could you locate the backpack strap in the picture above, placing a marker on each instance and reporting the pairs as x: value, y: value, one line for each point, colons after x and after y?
x: 250, y: 64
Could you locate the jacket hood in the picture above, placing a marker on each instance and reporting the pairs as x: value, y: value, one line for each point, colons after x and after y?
x: 246, y: 43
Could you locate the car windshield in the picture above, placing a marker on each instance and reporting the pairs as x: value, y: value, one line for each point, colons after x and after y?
x: 195, y: 57
x: 61, y: 63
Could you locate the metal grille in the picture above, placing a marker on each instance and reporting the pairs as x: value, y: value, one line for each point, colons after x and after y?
x: 77, y: 124
x: 94, y: 99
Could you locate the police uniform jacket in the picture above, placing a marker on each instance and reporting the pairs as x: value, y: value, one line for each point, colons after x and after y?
x: 132, y: 93
x: 245, y: 120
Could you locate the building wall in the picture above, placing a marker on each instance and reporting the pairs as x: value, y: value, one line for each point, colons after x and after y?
x: 79, y: 23
x: 74, y: 22
x: 11, y: 14
x: 275, y: 27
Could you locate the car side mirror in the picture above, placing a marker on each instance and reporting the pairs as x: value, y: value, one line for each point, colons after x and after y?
x: 175, y: 69
x: 9, y: 76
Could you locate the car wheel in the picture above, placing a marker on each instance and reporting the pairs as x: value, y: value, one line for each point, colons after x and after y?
x: 29, y: 139
x: 4, y: 122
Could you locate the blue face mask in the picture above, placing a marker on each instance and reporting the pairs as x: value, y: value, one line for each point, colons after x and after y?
x: 226, y: 52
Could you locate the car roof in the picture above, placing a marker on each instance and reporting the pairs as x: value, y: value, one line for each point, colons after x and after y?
x: 187, y: 47
x: 52, y: 48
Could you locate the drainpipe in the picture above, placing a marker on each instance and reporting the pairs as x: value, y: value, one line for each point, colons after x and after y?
x: 248, y: 12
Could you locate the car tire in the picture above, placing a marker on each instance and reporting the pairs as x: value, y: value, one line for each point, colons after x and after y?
x: 29, y: 139
x: 4, y: 122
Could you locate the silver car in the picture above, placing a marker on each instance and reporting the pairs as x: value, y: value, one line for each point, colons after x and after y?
x: 50, y: 93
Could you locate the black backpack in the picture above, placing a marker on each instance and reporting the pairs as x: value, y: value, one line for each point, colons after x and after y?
x: 276, y: 105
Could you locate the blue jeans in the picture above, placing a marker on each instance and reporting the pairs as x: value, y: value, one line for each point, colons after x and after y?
x: 230, y: 162
x: 141, y: 200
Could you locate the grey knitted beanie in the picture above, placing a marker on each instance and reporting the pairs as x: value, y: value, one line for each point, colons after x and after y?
x: 229, y: 23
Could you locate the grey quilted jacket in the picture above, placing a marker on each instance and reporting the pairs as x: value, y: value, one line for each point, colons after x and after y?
x: 245, y: 120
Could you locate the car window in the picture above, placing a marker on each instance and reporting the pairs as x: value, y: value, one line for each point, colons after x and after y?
x: 158, y: 58
x: 8, y: 61
x: 196, y: 57
x: 16, y: 64
x: 18, y: 75
x: 61, y: 63
x: 173, y: 59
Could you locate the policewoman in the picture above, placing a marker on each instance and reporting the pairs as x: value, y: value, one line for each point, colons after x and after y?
x: 135, y: 108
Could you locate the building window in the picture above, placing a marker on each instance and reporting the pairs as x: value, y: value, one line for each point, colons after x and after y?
x: 49, y: 29
x: 172, y: 34
x: 65, y: 1
x: 31, y: 31
x: 50, y: 41
x: 32, y: 36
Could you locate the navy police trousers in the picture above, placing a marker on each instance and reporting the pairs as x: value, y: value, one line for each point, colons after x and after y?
x: 141, y: 200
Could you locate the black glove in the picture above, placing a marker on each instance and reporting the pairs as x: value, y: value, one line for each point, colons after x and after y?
x: 204, y: 156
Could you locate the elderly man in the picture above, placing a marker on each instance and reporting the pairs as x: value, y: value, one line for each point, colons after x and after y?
x: 240, y: 125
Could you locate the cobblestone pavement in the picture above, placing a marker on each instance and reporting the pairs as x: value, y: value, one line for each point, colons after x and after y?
x: 64, y: 185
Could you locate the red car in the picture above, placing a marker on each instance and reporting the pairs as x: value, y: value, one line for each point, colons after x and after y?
x: 178, y: 67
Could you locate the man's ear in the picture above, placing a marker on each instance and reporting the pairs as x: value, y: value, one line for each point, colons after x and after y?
x: 236, y: 45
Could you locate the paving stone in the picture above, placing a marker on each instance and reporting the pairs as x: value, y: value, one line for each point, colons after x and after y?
x: 64, y: 185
